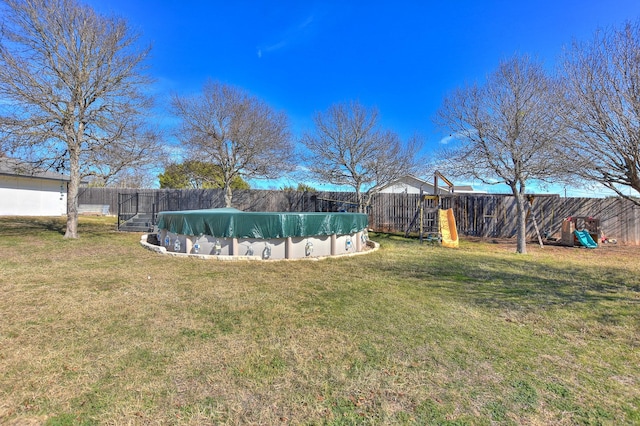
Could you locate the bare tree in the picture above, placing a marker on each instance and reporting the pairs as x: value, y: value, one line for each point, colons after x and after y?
x: 505, y: 131
x: 238, y: 132
x: 144, y: 176
x: 602, y: 108
x: 348, y: 148
x: 71, y: 92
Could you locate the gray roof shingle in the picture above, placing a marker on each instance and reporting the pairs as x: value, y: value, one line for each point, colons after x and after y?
x: 15, y: 167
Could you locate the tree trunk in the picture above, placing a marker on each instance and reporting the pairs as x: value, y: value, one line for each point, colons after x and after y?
x: 521, y: 221
x: 72, y: 195
x: 359, y: 200
x: 228, y: 194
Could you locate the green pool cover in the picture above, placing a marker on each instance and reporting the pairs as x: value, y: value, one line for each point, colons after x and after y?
x: 233, y: 223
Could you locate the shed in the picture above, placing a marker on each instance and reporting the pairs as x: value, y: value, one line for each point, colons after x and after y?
x: 28, y: 191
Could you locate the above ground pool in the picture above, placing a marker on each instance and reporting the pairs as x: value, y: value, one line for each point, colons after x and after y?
x: 283, y: 235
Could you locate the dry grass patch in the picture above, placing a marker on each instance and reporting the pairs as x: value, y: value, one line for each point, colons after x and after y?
x: 99, y: 330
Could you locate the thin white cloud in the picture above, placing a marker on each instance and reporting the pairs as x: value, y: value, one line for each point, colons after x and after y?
x: 277, y: 46
x: 457, y: 136
x: 292, y: 35
x: 304, y: 24
x: 447, y: 139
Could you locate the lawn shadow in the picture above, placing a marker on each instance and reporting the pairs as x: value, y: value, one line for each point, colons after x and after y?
x: 22, y: 226
x: 17, y: 226
x: 520, y: 283
x: 56, y: 226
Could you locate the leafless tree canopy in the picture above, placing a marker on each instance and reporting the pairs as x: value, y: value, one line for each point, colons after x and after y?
x: 71, y: 92
x: 602, y: 108
x: 349, y: 148
x: 505, y: 131
x: 240, y: 133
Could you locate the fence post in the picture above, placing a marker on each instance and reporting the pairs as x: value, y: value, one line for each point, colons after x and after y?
x: 119, y: 207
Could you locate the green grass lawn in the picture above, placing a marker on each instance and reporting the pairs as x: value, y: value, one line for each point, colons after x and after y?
x: 99, y: 330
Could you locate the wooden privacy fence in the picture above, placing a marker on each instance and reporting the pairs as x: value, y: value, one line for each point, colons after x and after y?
x: 192, y: 199
x: 495, y: 215
x: 476, y: 215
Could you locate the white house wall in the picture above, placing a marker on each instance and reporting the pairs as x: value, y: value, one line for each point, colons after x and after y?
x: 24, y: 196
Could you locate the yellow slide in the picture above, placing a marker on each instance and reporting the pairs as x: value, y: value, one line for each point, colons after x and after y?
x: 448, y: 230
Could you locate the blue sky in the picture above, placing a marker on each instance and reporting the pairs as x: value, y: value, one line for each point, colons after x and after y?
x: 402, y: 57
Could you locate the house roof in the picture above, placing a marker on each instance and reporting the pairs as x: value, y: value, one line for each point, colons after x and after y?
x: 415, y: 181
x: 15, y: 167
x: 463, y: 188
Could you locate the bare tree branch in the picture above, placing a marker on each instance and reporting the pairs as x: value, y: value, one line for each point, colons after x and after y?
x: 240, y: 133
x: 602, y: 108
x: 71, y: 92
x: 506, y: 131
x: 348, y: 148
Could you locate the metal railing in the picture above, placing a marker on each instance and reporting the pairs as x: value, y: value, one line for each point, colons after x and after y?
x: 127, y: 207
x: 159, y: 205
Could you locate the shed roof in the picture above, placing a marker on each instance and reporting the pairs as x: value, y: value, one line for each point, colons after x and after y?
x: 15, y: 167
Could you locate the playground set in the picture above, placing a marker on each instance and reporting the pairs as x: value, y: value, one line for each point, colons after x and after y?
x: 438, y: 225
x: 581, y: 231
x: 435, y: 225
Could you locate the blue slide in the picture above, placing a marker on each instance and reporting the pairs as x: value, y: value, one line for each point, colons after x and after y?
x: 585, y: 239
